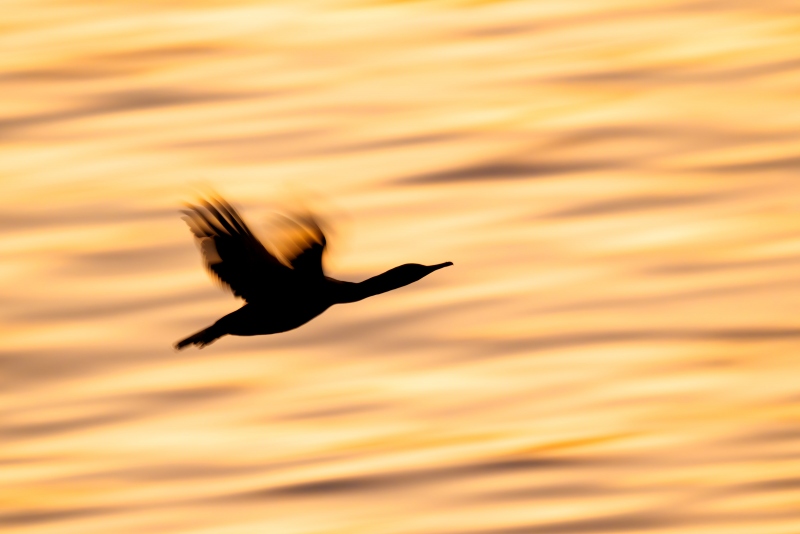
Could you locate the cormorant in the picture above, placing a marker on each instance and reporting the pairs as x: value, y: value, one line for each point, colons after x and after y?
x: 278, y: 297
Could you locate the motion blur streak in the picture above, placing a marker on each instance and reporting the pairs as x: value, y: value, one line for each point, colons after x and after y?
x: 615, y: 350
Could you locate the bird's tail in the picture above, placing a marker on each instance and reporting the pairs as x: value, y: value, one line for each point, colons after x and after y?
x: 202, y: 338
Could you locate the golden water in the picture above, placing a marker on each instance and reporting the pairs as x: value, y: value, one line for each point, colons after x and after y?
x: 615, y: 349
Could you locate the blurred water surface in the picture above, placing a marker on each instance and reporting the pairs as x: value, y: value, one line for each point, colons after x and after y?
x: 615, y: 349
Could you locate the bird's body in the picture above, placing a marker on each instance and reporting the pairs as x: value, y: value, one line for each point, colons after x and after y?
x: 279, y: 297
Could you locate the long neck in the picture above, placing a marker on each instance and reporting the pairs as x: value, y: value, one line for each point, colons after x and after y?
x: 391, y: 279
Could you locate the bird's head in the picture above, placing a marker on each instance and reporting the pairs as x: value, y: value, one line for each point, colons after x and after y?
x: 411, y: 272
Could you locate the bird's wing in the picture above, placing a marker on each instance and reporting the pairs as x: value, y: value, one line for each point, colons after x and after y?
x: 232, y: 253
x: 303, y: 250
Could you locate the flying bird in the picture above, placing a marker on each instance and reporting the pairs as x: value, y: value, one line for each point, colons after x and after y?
x: 279, y: 296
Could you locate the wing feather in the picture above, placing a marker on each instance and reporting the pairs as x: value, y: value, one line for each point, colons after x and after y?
x: 304, y: 247
x: 233, y: 254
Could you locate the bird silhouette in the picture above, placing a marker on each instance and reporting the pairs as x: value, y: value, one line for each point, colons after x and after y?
x: 279, y: 296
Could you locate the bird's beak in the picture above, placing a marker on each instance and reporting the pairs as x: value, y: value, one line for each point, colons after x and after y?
x: 440, y: 266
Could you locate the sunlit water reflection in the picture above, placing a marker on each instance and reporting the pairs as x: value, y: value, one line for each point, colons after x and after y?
x: 615, y: 349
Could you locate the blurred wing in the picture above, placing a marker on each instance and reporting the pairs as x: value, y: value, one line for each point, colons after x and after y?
x: 305, y: 246
x: 233, y: 253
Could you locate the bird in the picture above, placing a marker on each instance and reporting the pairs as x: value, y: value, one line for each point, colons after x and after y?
x: 279, y: 295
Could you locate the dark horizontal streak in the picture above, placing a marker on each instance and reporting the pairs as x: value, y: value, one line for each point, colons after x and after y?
x: 617, y: 206
x: 774, y: 484
x: 504, y: 170
x: 688, y: 268
x: 37, y: 430
x: 671, y: 74
x: 111, y: 64
x: 778, y: 164
x: 590, y: 338
x: 412, y: 477
x: 670, y: 297
x: 64, y: 74
x: 641, y: 521
x: 337, y: 411
x: 77, y: 311
x: 80, y: 215
x: 18, y: 519
x: 134, y: 406
x: 117, y: 102
x: 138, y: 260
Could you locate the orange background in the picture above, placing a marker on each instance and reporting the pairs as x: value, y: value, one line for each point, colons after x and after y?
x: 615, y: 349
